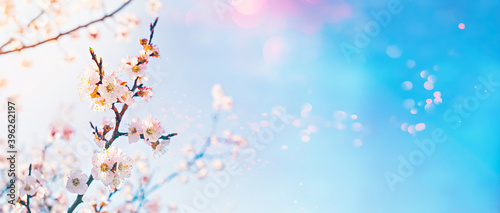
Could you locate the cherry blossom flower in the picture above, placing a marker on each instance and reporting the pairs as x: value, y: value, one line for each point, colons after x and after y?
x: 29, y: 187
x: 132, y: 68
x: 111, y: 166
x: 110, y: 89
x: 152, y: 129
x: 88, y: 83
x: 77, y: 183
x: 145, y: 93
x: 100, y: 104
x: 149, y: 50
x: 161, y: 148
x: 103, y: 164
x: 135, y: 130
x: 126, y: 97
x: 116, y: 183
x: 124, y: 167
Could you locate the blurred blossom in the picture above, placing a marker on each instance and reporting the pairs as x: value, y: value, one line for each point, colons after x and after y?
x: 69, y: 56
x: 93, y: 33
x: 153, y: 7
x: 220, y: 100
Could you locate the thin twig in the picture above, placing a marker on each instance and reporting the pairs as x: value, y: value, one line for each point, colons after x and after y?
x: 64, y: 33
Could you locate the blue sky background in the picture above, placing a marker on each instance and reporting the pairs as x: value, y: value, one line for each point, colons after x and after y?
x: 328, y: 173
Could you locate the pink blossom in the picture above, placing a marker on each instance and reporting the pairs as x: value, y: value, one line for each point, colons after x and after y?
x: 161, y: 148
x: 126, y: 97
x: 110, y: 89
x: 132, y: 68
x: 103, y: 163
x: 29, y: 187
x: 100, y: 104
x: 77, y: 183
x: 124, y: 167
x: 152, y: 129
x: 145, y: 93
x: 111, y: 166
x: 135, y: 130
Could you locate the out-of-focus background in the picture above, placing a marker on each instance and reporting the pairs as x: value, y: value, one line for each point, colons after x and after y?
x: 365, y: 83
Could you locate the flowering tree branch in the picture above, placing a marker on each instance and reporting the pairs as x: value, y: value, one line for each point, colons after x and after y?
x: 23, y: 47
x: 118, y: 113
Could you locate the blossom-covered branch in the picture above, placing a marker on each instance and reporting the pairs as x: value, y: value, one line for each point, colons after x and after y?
x: 105, y: 91
x: 18, y: 46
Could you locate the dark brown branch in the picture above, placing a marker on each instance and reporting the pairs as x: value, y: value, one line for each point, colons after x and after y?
x: 152, y: 29
x: 163, y: 137
x: 64, y: 33
x: 97, y: 63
